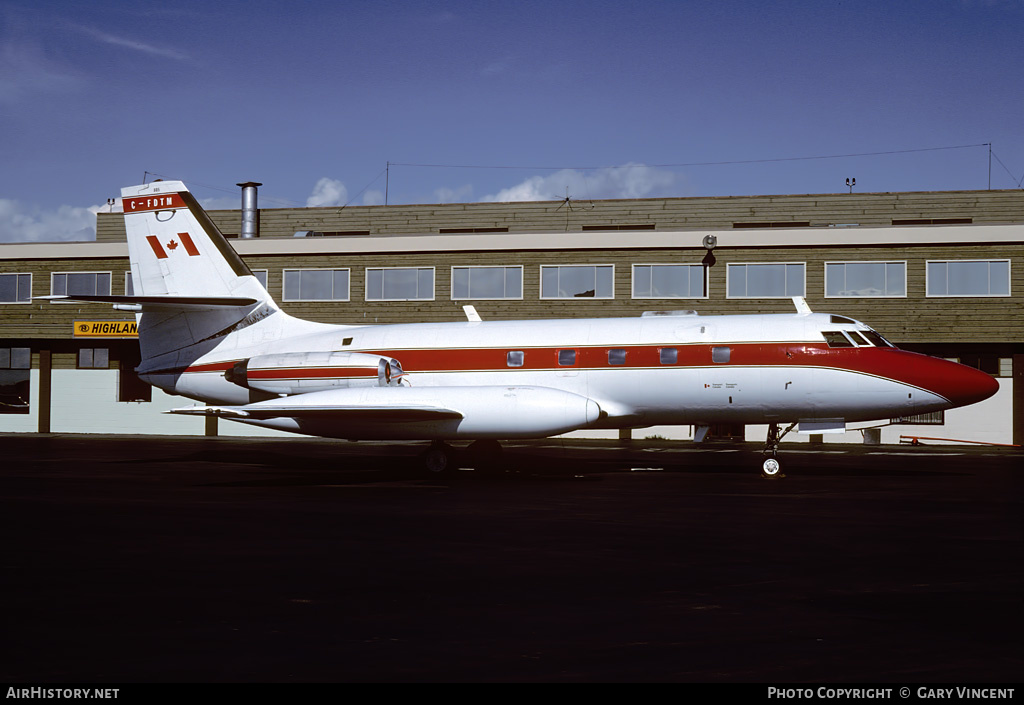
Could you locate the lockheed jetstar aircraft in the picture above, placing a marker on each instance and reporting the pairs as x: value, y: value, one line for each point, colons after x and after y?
x: 208, y: 330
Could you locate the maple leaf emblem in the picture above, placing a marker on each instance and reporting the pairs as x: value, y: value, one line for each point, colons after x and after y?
x: 172, y: 245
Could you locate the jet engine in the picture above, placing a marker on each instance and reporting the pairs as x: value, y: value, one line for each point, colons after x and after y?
x: 302, y: 372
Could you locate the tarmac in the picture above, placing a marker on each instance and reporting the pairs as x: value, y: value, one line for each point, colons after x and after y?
x: 155, y: 559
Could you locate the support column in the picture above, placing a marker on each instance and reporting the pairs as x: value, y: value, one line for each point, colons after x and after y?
x: 45, y: 390
x: 211, y: 425
x: 1018, y: 399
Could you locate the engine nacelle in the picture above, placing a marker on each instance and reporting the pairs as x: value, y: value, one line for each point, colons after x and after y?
x: 302, y: 372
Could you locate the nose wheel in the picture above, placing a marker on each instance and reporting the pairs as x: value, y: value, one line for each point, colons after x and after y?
x: 771, y: 466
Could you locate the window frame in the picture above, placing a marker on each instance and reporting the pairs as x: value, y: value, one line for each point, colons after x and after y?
x: 705, y: 273
x: 17, y: 287
x: 284, y: 288
x: 728, y: 280
x: 366, y: 283
x: 92, y: 352
x: 865, y: 296
x: 595, y: 297
x: 928, y: 278
x: 53, y: 275
x: 470, y: 297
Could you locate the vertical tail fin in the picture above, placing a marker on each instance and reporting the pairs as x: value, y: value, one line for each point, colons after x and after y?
x: 177, y: 250
x: 192, y: 287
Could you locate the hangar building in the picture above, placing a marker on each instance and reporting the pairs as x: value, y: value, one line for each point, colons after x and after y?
x: 936, y: 272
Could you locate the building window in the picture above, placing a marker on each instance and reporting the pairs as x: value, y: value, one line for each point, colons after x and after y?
x: 487, y: 282
x: 263, y: 278
x: 129, y: 284
x: 865, y: 279
x: 577, y: 281
x: 80, y: 283
x: 93, y: 358
x: 315, y: 284
x: 15, y: 288
x: 765, y: 281
x: 669, y: 281
x: 15, y: 373
x: 968, y: 277
x: 400, y: 284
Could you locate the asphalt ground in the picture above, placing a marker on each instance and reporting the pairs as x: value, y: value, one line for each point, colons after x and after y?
x: 132, y: 559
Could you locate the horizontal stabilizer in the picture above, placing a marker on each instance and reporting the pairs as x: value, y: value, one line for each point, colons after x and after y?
x: 160, y: 303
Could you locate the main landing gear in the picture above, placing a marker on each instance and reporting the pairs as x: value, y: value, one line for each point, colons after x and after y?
x: 484, y: 454
x: 771, y: 465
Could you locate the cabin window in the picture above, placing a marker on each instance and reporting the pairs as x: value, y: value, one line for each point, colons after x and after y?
x: 720, y: 354
x: 515, y: 358
x: 669, y: 281
x: 968, y: 278
x: 668, y: 356
x: 400, y: 284
x: 80, y: 283
x: 865, y: 279
x: 766, y: 280
x: 15, y: 288
x: 836, y: 339
x: 487, y: 282
x: 566, y: 358
x: 563, y: 281
x: 316, y: 285
x: 616, y: 356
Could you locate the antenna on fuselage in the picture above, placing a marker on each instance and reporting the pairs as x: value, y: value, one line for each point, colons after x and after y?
x: 802, y: 309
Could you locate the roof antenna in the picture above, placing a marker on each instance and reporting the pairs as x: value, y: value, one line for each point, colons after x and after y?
x: 567, y: 202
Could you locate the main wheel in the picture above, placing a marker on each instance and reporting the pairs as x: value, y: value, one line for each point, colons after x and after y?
x: 771, y: 467
x: 438, y: 458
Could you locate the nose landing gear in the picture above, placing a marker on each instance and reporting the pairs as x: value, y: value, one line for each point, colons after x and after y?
x: 771, y: 466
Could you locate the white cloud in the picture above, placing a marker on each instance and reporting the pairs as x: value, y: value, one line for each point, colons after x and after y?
x: 19, y: 223
x: 627, y: 181
x: 373, y: 197
x: 328, y: 192
x: 133, y: 44
x: 453, y: 195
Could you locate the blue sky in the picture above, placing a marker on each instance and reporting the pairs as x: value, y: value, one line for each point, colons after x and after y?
x: 587, y: 99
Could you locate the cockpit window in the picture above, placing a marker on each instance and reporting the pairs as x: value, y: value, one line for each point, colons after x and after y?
x: 836, y: 339
x: 857, y: 337
x: 841, y: 319
x: 876, y: 339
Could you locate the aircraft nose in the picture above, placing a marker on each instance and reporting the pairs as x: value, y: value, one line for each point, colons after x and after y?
x: 960, y: 384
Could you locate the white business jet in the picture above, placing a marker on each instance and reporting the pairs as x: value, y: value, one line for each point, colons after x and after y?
x: 209, y: 330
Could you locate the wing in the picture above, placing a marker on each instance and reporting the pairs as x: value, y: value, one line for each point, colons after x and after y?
x: 419, y: 412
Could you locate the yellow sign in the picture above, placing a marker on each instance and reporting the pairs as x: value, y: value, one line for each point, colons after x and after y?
x: 106, y: 329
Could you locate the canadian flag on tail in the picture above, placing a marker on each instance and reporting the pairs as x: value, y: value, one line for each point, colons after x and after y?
x: 172, y: 245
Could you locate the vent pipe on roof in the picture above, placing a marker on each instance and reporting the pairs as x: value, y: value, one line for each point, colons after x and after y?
x: 250, y: 212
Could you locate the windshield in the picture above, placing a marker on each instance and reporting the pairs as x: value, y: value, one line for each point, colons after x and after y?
x: 876, y: 339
